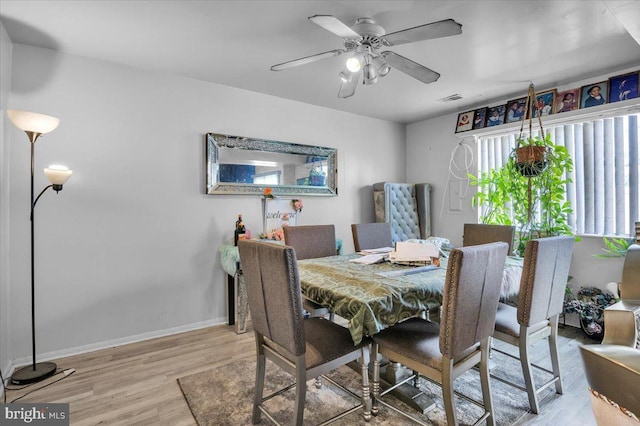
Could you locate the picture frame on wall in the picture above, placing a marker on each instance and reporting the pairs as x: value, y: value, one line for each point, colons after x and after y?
x: 495, y: 115
x: 465, y: 121
x: 480, y: 118
x: 568, y: 100
x: 516, y: 110
x: 623, y: 87
x: 545, y: 102
x: 594, y: 94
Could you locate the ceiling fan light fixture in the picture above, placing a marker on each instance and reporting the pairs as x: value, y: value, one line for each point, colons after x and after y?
x: 353, y: 64
x: 345, y: 76
x: 370, y: 74
x: 381, y: 66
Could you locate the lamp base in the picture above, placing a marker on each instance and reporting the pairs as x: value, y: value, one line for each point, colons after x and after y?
x: 27, y: 374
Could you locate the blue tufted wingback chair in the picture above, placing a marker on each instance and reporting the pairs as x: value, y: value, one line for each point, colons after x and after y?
x: 406, y: 206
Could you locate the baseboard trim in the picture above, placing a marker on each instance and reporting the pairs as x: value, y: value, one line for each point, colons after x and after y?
x: 48, y: 356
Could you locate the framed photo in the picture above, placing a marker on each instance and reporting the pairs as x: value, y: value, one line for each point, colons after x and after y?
x: 465, y: 121
x: 516, y: 109
x: 623, y: 87
x: 568, y: 100
x: 594, y: 94
x: 545, y: 102
x: 480, y: 118
x: 495, y: 115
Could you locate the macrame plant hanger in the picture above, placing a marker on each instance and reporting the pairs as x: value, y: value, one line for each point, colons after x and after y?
x: 530, y: 159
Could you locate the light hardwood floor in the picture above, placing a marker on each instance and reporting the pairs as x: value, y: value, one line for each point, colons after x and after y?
x: 136, y: 384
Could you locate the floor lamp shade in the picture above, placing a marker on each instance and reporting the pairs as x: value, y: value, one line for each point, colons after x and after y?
x: 57, y: 175
x: 35, y: 125
x: 33, y: 122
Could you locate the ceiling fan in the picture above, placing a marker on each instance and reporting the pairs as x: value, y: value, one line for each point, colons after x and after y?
x: 363, y: 40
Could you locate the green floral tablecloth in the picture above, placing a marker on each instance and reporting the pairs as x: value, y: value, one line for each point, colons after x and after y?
x: 371, y: 302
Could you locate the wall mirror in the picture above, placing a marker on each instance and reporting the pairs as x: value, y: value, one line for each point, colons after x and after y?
x: 242, y: 165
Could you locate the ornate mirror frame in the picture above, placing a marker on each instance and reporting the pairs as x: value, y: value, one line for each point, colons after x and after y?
x: 257, y: 151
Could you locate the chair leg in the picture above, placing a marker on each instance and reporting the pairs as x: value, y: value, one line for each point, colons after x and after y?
x: 375, y: 386
x: 447, y: 391
x: 260, y: 372
x: 553, y: 350
x: 366, y: 395
x: 485, y: 347
x: 527, y: 370
x: 301, y: 390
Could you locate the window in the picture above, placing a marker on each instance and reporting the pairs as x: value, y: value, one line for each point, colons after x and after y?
x: 604, y: 192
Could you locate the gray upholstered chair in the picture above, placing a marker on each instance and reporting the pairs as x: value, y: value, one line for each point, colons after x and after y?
x: 480, y: 233
x: 304, y: 348
x: 371, y: 235
x: 309, y: 242
x: 545, y: 274
x: 627, y: 310
x: 461, y: 341
x: 407, y: 207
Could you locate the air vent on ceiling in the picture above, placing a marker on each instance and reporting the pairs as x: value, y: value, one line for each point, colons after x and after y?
x: 451, y: 98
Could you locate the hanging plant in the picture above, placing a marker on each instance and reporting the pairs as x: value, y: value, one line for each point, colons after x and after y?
x: 528, y: 192
x: 530, y: 152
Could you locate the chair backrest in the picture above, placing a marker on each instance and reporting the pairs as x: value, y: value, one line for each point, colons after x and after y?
x: 407, y: 207
x: 471, y: 293
x: 311, y: 241
x: 630, y: 284
x: 480, y: 233
x: 270, y: 273
x: 545, y: 273
x: 371, y: 235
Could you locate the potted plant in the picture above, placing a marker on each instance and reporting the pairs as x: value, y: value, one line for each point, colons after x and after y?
x: 530, y: 155
x: 527, y: 184
x: 590, y: 305
x: 615, y: 247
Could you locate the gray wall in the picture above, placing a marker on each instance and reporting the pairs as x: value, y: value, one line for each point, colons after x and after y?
x: 129, y: 249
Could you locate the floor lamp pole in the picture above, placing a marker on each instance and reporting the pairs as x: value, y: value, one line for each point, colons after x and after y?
x: 36, y: 371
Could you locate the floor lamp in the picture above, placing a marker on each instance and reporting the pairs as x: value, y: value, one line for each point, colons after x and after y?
x: 36, y: 125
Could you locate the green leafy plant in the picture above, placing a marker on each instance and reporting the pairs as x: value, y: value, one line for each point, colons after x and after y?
x: 615, y: 247
x: 536, y: 205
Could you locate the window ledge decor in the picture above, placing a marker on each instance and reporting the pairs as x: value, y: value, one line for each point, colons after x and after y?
x: 243, y: 165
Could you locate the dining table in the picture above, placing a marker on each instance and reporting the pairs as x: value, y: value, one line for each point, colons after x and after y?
x: 372, y: 297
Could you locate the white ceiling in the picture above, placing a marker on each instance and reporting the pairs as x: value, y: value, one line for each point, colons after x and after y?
x: 504, y: 45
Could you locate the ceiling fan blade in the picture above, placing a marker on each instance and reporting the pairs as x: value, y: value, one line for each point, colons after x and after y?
x: 349, y: 88
x: 307, y: 60
x: 411, y: 68
x: 334, y: 25
x: 445, y: 28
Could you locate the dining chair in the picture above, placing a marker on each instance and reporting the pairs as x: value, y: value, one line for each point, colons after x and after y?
x: 480, y: 233
x: 545, y: 273
x: 627, y: 310
x: 304, y: 348
x: 461, y: 341
x: 310, y: 242
x: 371, y: 235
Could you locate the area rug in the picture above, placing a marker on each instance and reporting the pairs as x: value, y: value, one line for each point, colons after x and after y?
x: 224, y: 396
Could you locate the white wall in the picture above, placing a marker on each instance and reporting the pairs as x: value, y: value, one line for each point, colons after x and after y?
x: 129, y: 248
x: 5, y: 87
